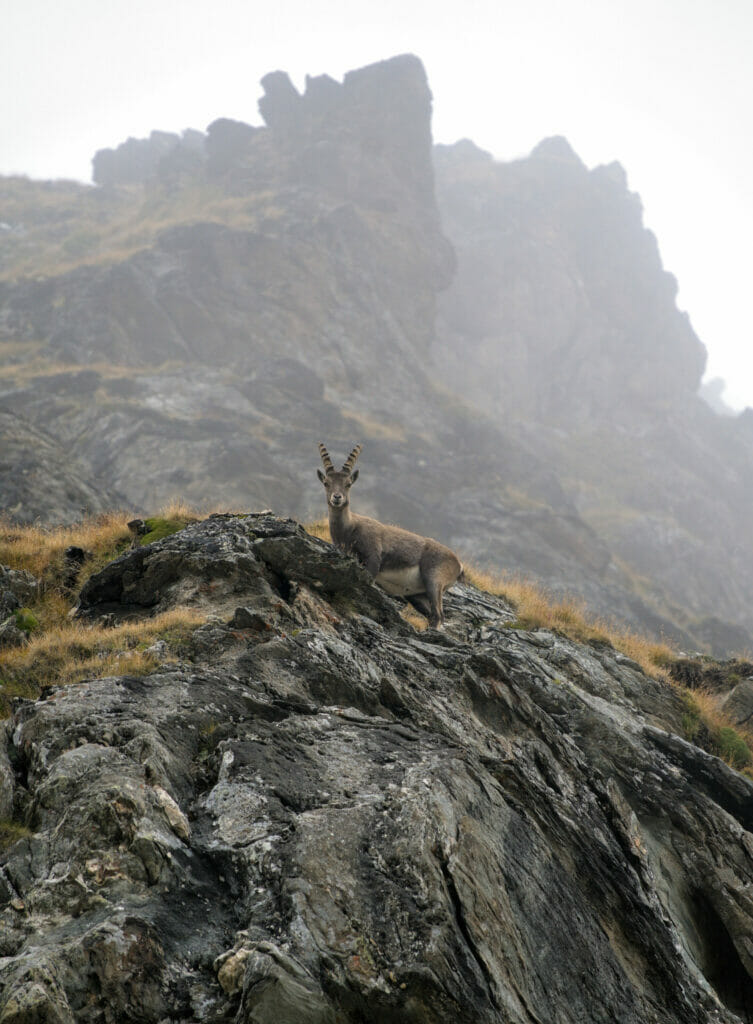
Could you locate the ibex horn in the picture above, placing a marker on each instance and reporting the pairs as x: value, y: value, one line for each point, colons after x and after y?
x: 328, y: 467
x: 351, y: 459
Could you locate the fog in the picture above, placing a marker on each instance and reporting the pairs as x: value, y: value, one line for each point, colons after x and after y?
x: 662, y: 87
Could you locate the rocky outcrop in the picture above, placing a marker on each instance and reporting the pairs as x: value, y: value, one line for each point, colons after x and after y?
x: 17, y: 588
x: 163, y: 156
x: 367, y: 138
x: 340, y: 271
x: 323, y: 815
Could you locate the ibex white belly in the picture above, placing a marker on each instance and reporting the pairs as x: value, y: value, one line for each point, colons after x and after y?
x: 401, y: 582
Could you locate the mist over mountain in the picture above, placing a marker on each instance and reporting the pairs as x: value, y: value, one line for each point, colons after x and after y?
x: 502, y: 337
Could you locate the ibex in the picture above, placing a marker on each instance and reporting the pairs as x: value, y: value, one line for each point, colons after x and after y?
x: 403, y: 563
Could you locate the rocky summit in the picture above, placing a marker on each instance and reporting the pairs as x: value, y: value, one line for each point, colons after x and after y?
x: 319, y: 814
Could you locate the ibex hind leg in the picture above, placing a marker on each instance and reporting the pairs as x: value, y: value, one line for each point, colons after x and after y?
x: 421, y: 603
x: 434, y: 591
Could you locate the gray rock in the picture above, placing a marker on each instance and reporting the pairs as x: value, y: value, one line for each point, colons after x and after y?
x: 338, y: 818
x: 17, y: 589
x: 10, y: 634
x: 738, y: 703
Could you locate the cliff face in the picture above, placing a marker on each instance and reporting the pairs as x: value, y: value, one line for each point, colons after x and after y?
x: 526, y: 391
x: 556, y: 269
x: 318, y: 814
x: 341, y: 233
x: 562, y: 324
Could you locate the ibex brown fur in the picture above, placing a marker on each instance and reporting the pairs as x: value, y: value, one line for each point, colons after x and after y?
x: 403, y: 563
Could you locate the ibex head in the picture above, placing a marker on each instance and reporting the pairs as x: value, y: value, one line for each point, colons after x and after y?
x: 337, y: 483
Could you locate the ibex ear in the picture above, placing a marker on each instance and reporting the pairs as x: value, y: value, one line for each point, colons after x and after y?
x: 320, y: 475
x: 354, y: 476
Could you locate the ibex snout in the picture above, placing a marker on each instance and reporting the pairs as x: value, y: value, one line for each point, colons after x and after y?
x: 336, y: 499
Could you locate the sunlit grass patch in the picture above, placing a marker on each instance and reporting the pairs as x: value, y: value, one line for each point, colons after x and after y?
x: 68, y: 652
x: 40, y: 550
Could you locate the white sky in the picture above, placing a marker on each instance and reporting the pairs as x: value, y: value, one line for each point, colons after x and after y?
x: 663, y: 86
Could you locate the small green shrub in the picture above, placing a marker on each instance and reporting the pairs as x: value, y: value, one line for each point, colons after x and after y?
x: 26, y: 620
x: 732, y: 748
x: 691, y: 718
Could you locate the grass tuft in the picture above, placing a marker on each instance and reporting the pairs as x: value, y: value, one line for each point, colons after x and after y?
x: 535, y: 608
x: 319, y: 528
x: 70, y: 652
x: 706, y: 725
x: 26, y: 620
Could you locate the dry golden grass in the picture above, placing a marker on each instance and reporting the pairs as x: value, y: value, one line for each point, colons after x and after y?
x: 707, y: 704
x: 178, y: 509
x: 38, y: 549
x: 414, y: 618
x: 536, y: 609
x: 68, y: 652
x: 728, y: 740
x: 319, y: 528
x: 60, y: 651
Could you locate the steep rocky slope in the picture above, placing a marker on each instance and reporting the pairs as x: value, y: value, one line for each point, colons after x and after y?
x: 319, y: 814
x: 503, y: 338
